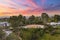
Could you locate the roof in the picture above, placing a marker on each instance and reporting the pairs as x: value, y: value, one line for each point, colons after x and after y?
x: 34, y: 26
x: 3, y: 22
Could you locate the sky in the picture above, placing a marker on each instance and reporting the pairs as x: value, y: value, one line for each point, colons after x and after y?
x: 29, y: 7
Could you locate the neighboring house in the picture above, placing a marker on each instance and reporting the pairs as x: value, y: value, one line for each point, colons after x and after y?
x: 54, y: 23
x: 8, y: 32
x: 34, y: 26
x: 3, y: 24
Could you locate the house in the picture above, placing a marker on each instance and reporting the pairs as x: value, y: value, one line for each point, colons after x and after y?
x: 33, y: 26
x: 8, y: 32
x: 3, y: 24
x: 54, y: 23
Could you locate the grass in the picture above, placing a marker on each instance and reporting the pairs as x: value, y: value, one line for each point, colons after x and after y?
x: 50, y: 37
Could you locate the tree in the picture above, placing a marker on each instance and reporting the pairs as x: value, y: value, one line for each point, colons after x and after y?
x: 31, y: 19
x: 21, y: 20
x: 24, y: 20
x: 38, y: 20
x: 2, y: 34
x: 17, y: 21
x: 13, y: 21
x: 12, y: 37
x: 44, y: 18
x: 32, y: 34
x: 56, y: 18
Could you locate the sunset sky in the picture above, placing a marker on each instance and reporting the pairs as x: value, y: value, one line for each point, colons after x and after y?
x: 29, y: 7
